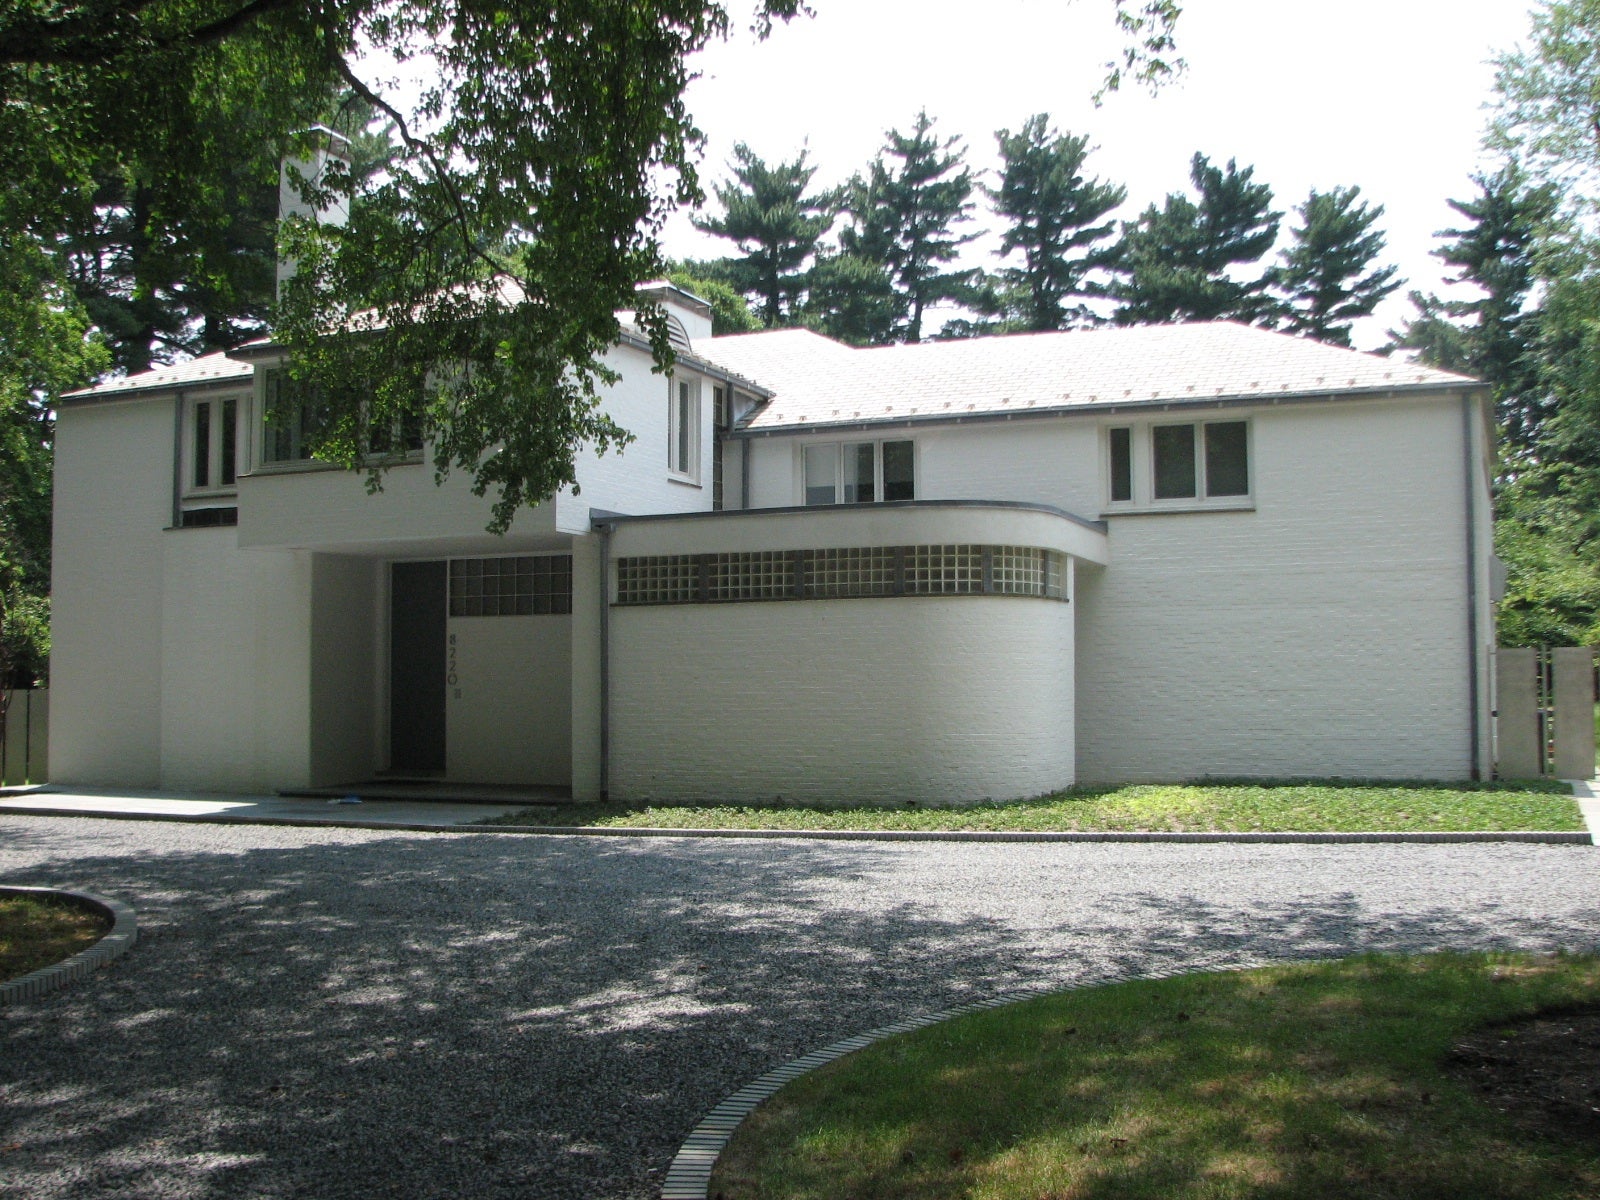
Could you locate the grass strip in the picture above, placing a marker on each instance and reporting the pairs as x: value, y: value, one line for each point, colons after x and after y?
x: 38, y: 931
x: 1288, y: 807
x: 1302, y: 1081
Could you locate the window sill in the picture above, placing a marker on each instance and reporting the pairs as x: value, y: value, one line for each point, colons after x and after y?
x: 683, y: 480
x: 1159, y: 507
x: 206, y: 495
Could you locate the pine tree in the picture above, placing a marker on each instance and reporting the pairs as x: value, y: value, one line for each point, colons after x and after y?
x: 1052, y: 212
x: 904, y: 214
x: 767, y: 214
x: 1494, y: 335
x: 853, y: 299
x: 1327, y: 278
x: 1175, y: 261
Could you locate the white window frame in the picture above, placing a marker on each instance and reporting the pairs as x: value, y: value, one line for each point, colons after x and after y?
x: 216, y: 434
x: 1143, y: 467
x: 839, y: 449
x: 683, y: 428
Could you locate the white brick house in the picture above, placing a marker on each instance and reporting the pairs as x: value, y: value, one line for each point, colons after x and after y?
x: 936, y: 572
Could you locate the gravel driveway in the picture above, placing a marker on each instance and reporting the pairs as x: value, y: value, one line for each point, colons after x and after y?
x: 343, y: 1013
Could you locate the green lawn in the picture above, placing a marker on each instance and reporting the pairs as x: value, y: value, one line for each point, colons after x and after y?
x: 1294, y: 1083
x: 1231, y: 807
x: 39, y: 931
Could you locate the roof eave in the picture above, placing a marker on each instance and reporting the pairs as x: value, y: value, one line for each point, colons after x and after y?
x: 1162, y: 404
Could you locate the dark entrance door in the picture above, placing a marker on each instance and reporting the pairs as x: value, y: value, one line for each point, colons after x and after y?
x: 416, y: 666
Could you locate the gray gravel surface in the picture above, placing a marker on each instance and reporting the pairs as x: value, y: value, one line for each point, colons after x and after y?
x: 346, y: 1013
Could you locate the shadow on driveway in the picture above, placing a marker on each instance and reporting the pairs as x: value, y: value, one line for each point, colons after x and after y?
x: 358, y: 1014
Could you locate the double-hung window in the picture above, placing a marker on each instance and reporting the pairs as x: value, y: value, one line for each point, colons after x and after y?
x: 211, y: 451
x: 683, y: 428
x: 858, y: 472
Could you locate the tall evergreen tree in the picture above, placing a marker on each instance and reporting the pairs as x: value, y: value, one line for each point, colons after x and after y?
x: 1495, y: 334
x: 905, y: 212
x: 776, y: 225
x: 1175, y: 262
x: 1054, y: 222
x: 1327, y: 277
x: 853, y: 299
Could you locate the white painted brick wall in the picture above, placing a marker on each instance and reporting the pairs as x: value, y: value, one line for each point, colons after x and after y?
x: 1323, y: 633
x: 113, y: 498
x: 635, y: 480
x: 932, y: 699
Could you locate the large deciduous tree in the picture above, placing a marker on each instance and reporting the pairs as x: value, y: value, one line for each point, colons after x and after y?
x: 767, y: 214
x: 484, y: 269
x: 1328, y: 277
x: 1055, y: 222
x: 1181, y: 262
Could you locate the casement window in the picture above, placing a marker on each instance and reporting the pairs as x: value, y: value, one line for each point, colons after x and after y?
x: 721, y: 422
x: 211, y: 445
x: 1195, y: 461
x: 291, y: 418
x: 683, y: 429
x: 858, y: 472
x: 292, y: 412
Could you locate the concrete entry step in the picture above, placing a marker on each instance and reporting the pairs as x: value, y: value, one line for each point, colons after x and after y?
x: 438, y: 790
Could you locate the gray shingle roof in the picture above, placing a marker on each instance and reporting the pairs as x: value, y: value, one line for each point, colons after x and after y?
x: 818, y: 381
x: 196, y: 372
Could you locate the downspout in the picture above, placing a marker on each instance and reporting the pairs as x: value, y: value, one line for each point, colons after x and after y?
x: 177, y: 459
x: 1468, y: 412
x: 605, y: 660
x: 744, y: 473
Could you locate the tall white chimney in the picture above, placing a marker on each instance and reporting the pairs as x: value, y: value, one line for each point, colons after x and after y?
x: 326, y: 146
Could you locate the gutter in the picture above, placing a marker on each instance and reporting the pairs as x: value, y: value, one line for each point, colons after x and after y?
x: 1475, y: 733
x: 610, y: 521
x: 604, y: 528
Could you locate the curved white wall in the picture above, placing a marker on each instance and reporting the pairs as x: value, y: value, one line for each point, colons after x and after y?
x: 941, y: 700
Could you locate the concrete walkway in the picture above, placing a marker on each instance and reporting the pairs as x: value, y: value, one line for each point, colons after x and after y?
x: 288, y: 810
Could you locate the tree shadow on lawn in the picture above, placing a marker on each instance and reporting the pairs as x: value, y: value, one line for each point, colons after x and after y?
x: 387, y: 1014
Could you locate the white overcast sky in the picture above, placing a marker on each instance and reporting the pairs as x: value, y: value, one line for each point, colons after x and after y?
x: 1384, y: 94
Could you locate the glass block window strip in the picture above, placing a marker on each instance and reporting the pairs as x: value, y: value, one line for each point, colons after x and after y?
x: 944, y: 570
x: 658, y: 579
x: 842, y: 573
x: 526, y: 586
x: 832, y: 574
x: 758, y: 575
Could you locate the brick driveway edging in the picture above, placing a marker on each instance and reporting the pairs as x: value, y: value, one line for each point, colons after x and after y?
x: 689, y: 1176
x: 124, y: 933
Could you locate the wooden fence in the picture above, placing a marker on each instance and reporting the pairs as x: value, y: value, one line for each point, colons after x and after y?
x: 1545, y: 712
x: 24, y: 748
